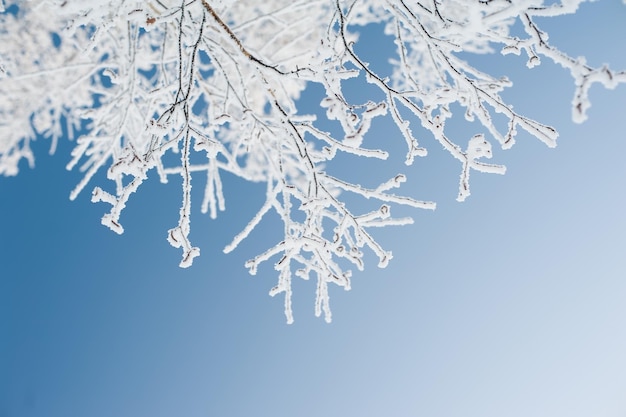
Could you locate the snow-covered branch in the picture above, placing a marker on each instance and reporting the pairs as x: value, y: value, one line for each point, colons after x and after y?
x: 219, y: 83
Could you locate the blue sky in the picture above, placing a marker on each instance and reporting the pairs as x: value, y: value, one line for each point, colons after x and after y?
x: 510, y: 304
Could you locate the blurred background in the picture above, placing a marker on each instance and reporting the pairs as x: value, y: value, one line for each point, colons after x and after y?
x: 510, y: 304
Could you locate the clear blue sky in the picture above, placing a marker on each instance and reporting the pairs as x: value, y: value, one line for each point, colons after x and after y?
x: 510, y: 304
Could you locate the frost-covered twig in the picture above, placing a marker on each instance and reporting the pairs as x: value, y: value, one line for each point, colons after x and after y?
x: 218, y: 84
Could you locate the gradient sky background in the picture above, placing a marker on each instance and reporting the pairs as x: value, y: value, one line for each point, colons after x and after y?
x: 510, y: 304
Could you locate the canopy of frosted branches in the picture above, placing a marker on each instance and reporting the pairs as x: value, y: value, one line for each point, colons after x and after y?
x: 216, y: 85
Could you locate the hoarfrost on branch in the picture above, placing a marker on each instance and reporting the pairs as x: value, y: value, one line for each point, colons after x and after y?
x: 127, y: 79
